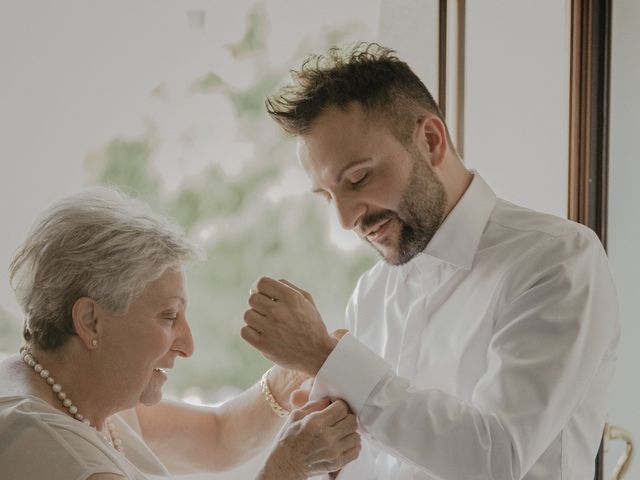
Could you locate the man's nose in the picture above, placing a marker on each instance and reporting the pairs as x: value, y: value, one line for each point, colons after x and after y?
x: 349, y: 212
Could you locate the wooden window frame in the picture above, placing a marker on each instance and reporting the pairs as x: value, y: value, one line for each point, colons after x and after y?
x: 589, y: 114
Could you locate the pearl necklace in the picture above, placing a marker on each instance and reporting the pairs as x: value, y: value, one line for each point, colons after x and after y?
x: 114, y: 441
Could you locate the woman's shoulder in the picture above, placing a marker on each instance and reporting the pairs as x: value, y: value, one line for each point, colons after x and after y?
x: 27, y: 408
x: 64, y: 448
x: 12, y: 377
x: 25, y: 417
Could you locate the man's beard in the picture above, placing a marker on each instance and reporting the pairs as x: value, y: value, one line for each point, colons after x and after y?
x: 419, y: 214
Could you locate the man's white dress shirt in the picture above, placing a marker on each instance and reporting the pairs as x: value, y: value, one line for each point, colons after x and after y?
x: 487, y: 356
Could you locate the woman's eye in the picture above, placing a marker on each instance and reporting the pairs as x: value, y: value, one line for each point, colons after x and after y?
x: 326, y: 197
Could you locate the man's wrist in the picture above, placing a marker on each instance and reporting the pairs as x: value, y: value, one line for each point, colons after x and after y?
x: 323, y: 354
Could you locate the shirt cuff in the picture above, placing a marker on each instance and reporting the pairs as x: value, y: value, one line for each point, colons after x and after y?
x: 350, y: 372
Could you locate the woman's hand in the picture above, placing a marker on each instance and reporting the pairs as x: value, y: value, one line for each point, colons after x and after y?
x: 283, y: 382
x: 318, y: 438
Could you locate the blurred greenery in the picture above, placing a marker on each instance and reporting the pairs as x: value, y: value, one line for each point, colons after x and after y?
x: 255, y: 34
x: 252, y: 235
x: 249, y: 233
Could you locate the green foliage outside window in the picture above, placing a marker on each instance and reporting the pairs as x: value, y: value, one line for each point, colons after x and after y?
x: 251, y: 235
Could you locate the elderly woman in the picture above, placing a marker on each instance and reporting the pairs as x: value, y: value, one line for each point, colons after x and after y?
x: 101, y: 282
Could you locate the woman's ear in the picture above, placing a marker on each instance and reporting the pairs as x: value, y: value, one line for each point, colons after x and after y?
x: 433, y: 135
x: 85, y: 321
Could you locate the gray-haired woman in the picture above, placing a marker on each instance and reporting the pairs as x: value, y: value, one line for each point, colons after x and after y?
x: 100, y: 279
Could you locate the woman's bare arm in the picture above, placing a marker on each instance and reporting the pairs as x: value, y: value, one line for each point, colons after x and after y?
x: 105, y: 476
x: 190, y: 438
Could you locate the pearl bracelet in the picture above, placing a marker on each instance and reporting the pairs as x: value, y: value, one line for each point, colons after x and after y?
x: 271, y: 400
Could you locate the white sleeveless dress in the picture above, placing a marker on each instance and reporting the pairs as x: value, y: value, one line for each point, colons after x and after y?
x: 37, y: 442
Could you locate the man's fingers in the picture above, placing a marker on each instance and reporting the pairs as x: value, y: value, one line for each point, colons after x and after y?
x: 250, y: 335
x: 260, y: 303
x: 255, y: 320
x: 339, y: 333
x: 271, y: 288
x: 304, y: 293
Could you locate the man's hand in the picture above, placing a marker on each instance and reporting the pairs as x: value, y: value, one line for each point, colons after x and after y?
x: 284, y: 324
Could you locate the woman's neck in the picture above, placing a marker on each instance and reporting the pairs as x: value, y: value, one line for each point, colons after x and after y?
x: 72, y: 369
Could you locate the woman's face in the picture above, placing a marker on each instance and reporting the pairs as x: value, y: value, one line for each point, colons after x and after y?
x: 145, y: 341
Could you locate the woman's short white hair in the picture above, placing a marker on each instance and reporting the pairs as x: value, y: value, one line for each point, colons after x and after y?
x: 99, y: 243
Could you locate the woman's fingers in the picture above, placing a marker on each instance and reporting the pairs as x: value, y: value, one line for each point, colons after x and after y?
x: 335, y: 463
x: 320, y: 437
x: 346, y: 425
x: 336, y: 449
x: 299, y: 397
x: 313, y: 408
x: 332, y: 414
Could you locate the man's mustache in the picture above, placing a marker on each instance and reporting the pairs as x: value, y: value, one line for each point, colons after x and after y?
x: 374, y: 218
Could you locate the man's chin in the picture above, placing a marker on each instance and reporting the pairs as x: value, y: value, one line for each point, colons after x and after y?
x: 395, y: 260
x: 388, y: 248
x: 387, y: 253
x: 393, y: 255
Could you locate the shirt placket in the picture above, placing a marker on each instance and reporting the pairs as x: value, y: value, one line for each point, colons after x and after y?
x: 424, y: 279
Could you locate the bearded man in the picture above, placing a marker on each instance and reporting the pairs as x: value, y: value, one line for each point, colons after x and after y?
x: 482, y: 344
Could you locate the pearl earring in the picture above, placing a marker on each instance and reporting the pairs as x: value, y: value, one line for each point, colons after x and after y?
x: 94, y: 343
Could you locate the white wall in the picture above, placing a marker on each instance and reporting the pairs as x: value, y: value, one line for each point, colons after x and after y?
x: 624, y: 217
x: 410, y: 27
x: 517, y: 86
x: 517, y: 99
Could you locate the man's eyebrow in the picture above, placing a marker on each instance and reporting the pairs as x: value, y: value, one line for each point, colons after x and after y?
x: 349, y: 165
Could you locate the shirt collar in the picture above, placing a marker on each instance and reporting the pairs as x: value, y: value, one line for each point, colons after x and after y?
x: 456, y: 240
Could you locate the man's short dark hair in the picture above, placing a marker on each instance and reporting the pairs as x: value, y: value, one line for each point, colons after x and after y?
x: 367, y: 73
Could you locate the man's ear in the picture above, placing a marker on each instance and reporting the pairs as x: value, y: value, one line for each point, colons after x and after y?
x: 85, y: 321
x: 432, y: 134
